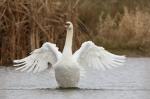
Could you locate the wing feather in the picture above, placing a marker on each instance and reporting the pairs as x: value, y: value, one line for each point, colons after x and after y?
x: 38, y: 59
x: 97, y: 57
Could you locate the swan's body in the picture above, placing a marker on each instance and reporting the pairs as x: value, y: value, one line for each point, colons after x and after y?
x: 67, y: 73
x: 68, y: 67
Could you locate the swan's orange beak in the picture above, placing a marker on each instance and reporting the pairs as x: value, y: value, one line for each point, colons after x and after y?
x: 66, y: 25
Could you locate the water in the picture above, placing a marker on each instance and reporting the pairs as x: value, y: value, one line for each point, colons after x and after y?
x: 131, y: 81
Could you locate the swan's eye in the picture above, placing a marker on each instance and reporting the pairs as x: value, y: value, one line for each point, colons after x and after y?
x: 67, y: 24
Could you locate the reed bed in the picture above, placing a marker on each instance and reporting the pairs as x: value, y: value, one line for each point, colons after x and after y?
x: 129, y: 32
x: 25, y: 25
x: 118, y: 25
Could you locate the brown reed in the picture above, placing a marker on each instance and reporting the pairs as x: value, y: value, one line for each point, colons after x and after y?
x: 26, y: 24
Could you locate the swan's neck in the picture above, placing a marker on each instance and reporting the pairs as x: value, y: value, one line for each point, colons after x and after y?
x: 67, y: 51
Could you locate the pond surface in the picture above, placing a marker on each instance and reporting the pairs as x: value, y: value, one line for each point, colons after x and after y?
x: 131, y: 81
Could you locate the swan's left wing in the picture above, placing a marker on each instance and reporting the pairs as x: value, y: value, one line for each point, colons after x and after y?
x: 97, y: 57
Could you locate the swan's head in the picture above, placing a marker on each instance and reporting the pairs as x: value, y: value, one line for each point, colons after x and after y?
x: 69, y: 25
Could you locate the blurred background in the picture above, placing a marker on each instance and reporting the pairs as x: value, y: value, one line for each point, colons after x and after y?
x: 121, y: 26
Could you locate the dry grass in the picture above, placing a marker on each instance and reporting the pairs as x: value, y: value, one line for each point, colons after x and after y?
x: 26, y: 24
x: 130, y: 33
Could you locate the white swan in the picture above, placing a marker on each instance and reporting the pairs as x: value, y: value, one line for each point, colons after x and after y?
x: 68, y: 66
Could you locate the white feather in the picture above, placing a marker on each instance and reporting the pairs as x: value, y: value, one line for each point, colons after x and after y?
x: 97, y: 57
x: 38, y: 59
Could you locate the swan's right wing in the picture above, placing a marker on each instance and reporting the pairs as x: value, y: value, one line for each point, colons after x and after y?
x: 97, y: 57
x: 39, y: 58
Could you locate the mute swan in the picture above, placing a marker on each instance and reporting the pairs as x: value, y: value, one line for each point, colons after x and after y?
x: 68, y: 66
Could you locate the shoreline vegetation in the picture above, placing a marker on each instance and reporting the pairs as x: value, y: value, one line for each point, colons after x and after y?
x: 120, y: 26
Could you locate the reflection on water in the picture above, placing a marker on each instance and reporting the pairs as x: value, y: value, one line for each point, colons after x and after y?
x: 74, y: 94
x: 128, y: 82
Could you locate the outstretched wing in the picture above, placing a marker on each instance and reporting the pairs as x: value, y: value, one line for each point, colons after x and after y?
x: 97, y: 57
x: 38, y: 60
